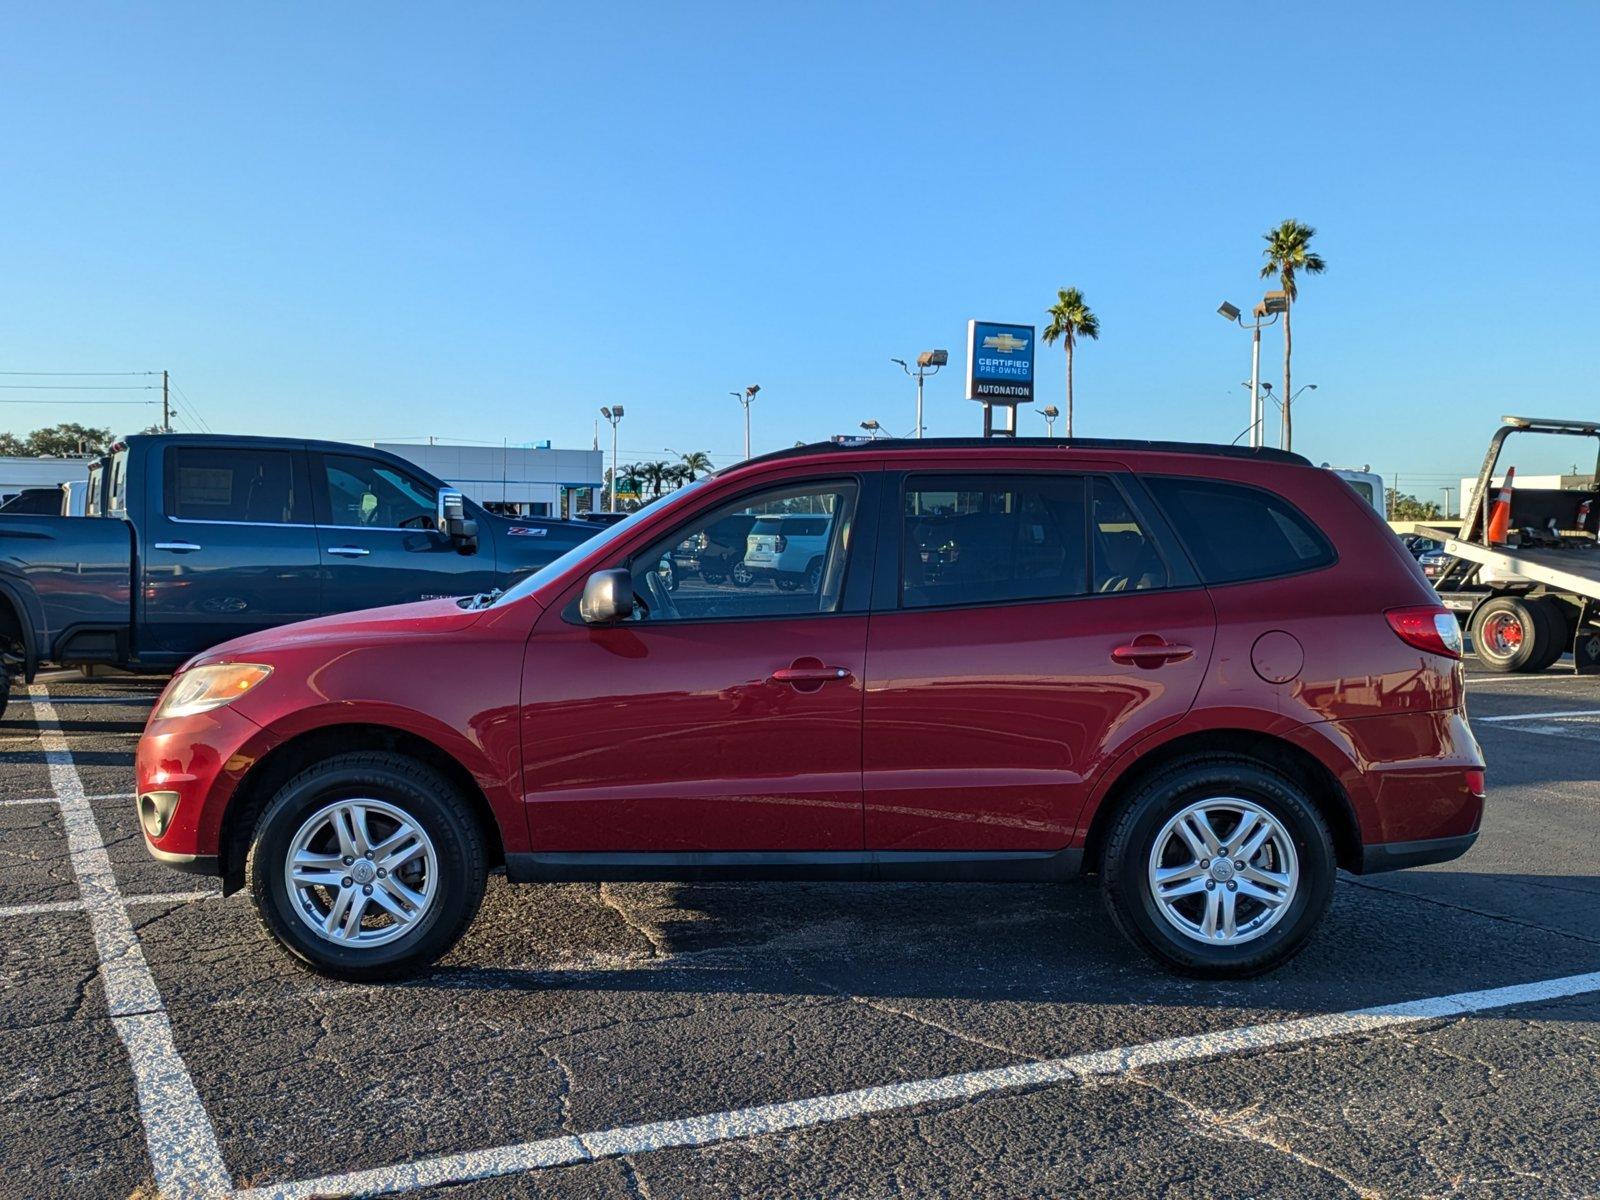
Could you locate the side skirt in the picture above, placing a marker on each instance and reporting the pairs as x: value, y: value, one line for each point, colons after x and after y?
x: 944, y: 866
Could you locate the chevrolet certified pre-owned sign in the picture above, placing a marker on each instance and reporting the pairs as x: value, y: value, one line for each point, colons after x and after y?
x: 999, y: 362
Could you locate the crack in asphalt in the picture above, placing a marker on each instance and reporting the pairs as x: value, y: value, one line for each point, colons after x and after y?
x: 1476, y: 912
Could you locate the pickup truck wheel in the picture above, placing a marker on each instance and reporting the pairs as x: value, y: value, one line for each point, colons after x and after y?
x: 1510, y: 634
x: 1219, y: 867
x: 5, y: 689
x: 367, y: 865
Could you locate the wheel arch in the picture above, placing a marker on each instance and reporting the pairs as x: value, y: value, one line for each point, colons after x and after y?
x: 1296, y: 762
x: 16, y: 622
x: 285, y: 760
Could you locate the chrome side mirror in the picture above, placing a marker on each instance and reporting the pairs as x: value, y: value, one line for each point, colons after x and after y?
x: 607, y: 597
x: 453, y: 522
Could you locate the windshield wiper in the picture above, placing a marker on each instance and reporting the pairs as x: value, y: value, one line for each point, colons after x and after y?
x: 482, y: 599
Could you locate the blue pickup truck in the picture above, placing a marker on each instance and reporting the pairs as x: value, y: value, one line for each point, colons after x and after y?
x: 194, y: 539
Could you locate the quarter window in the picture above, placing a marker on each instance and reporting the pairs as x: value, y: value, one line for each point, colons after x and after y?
x: 1235, y: 532
x: 991, y: 539
x: 261, y: 487
x: 779, y: 553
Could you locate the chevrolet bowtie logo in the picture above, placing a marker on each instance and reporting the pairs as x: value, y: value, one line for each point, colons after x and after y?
x: 1005, y: 343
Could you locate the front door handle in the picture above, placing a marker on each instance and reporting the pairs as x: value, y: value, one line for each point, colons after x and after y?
x: 809, y: 674
x: 349, y: 551
x: 1151, y: 650
x: 178, y: 547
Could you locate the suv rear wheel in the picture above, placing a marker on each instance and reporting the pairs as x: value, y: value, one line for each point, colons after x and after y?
x: 367, y: 865
x: 1219, y: 867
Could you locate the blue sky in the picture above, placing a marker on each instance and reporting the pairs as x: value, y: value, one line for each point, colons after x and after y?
x: 368, y: 221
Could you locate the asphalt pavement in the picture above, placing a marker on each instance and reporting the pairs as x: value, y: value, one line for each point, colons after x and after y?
x: 658, y: 1040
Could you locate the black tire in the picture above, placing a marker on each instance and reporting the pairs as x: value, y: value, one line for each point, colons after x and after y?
x: 5, y: 689
x: 712, y: 574
x: 741, y: 575
x: 813, y: 577
x: 428, y: 799
x: 1559, y: 633
x: 1511, y: 634
x: 1125, y: 878
x: 786, y: 583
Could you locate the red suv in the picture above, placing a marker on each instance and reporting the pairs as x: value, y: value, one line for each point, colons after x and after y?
x: 1210, y: 675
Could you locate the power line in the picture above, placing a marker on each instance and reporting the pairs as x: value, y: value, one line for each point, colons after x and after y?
x: 58, y: 402
x: 79, y: 387
x: 79, y: 374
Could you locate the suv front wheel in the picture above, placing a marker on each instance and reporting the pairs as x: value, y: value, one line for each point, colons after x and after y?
x: 1219, y: 867
x: 367, y: 865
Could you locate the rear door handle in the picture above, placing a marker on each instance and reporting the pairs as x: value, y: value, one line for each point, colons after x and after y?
x: 177, y: 547
x: 349, y: 551
x: 1150, y: 650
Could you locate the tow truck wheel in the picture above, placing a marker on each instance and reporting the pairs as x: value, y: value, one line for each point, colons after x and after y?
x: 1510, y: 634
x: 1561, y: 633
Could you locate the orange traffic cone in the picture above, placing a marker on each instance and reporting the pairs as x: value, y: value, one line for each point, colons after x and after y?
x: 1500, y: 514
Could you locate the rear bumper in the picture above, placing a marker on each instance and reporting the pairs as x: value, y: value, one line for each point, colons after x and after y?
x: 1396, y: 856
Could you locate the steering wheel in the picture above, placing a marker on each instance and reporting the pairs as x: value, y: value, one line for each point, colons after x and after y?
x: 422, y: 521
x: 660, y: 598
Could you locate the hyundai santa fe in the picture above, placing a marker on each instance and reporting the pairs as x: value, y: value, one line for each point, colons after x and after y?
x: 1208, y: 676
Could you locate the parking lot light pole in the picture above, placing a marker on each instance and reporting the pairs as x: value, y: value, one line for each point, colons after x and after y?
x: 928, y: 363
x: 1272, y: 303
x: 744, y: 398
x: 872, y: 427
x: 614, y: 415
x: 1049, y: 412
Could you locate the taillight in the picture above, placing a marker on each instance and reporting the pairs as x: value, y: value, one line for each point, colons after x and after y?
x: 780, y: 543
x: 1475, y: 782
x: 1427, y: 627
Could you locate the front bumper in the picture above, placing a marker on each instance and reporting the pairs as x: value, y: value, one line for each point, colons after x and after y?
x: 187, y: 769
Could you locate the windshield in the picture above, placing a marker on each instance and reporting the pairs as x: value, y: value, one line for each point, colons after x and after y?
x: 558, y: 567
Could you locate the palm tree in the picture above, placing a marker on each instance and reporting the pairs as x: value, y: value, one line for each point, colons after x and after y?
x: 1070, y: 319
x: 1289, y: 252
x: 655, y: 474
x: 696, y: 463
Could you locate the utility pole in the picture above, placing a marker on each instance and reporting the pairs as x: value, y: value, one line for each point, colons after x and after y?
x: 166, y: 406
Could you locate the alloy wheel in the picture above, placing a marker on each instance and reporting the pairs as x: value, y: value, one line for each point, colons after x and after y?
x: 361, y: 872
x: 1223, y: 871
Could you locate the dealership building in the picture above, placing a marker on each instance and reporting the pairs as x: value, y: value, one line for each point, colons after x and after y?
x: 527, y: 481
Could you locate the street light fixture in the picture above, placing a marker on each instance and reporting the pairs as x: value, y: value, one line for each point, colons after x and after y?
x: 928, y: 363
x: 613, y: 414
x: 1272, y: 304
x: 872, y: 427
x: 744, y: 398
x: 1049, y: 412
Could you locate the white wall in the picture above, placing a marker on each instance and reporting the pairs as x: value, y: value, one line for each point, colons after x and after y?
x: 516, y: 474
x: 19, y: 473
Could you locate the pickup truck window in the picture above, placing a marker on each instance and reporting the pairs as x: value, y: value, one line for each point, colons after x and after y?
x: 258, y: 487
x: 364, y: 492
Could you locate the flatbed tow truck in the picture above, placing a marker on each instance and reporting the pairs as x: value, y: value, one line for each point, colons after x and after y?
x: 1532, y: 599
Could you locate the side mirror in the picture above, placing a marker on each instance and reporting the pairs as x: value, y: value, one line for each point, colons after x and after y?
x: 454, y: 523
x: 607, y: 597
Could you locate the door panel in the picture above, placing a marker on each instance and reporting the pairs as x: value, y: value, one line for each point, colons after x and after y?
x: 677, y: 738
x: 1036, y: 625
x: 725, y: 715
x: 378, y: 542
x: 228, y: 548
x: 983, y: 725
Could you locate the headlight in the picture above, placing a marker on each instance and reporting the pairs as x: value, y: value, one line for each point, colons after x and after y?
x: 204, y: 688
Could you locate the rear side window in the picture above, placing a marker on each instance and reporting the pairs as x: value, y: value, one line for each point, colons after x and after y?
x: 991, y: 539
x: 261, y: 487
x: 1236, y: 532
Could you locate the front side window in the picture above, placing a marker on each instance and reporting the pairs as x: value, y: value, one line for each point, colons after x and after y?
x: 1235, y: 532
x: 238, y: 484
x: 363, y: 491
x: 992, y: 539
x: 778, y: 553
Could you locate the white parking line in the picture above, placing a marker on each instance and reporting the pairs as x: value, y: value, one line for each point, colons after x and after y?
x: 1542, y: 716
x: 59, y: 906
x: 571, y: 1149
x: 55, y: 800
x: 178, y: 1134
x: 34, y: 910
x: 58, y: 701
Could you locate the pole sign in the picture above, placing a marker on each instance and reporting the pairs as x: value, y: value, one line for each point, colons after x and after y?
x: 1000, y: 363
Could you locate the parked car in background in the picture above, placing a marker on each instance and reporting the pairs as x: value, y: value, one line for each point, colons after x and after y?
x: 1209, y: 675
x: 788, y: 548
x: 208, y: 537
x: 33, y: 502
x: 716, y: 553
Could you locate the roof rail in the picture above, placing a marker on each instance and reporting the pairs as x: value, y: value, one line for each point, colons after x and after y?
x: 1257, y: 453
